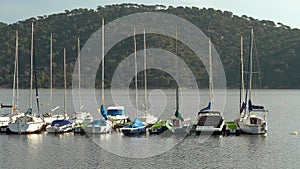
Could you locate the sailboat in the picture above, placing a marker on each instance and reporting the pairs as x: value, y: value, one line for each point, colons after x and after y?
x: 50, y: 117
x: 147, y: 119
x: 28, y: 122
x: 81, y: 119
x: 103, y: 125
x: 177, y: 124
x: 6, y: 118
x: 62, y: 125
x: 209, y: 121
x: 137, y: 127
x: 253, y: 118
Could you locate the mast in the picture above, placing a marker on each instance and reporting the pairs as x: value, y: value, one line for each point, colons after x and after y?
x: 210, y: 74
x: 176, y: 51
x: 242, y: 88
x: 36, y: 85
x: 65, y: 83
x: 102, y: 101
x: 145, y: 72
x: 51, y: 77
x: 177, y: 99
x: 135, y: 72
x: 15, y: 72
x: 79, y: 78
x: 31, y: 68
x: 250, y: 60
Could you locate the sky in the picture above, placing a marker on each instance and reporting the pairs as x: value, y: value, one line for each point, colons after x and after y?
x: 283, y: 11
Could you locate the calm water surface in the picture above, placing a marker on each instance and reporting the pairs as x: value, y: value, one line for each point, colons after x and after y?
x: 279, y: 149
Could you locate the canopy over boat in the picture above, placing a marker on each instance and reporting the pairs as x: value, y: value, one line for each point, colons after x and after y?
x: 137, y: 123
x: 61, y: 122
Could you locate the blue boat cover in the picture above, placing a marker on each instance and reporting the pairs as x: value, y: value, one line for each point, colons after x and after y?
x: 29, y: 111
x: 206, y: 108
x: 137, y: 123
x: 251, y: 106
x: 243, y: 107
x: 61, y: 122
x: 103, y: 112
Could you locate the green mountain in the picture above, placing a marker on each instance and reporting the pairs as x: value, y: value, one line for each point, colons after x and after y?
x: 277, y: 46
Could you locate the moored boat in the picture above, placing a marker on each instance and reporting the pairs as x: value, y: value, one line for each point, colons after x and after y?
x: 135, y: 128
x: 29, y: 122
x: 25, y: 123
x: 253, y: 118
x: 159, y: 127
x: 99, y: 127
x: 209, y: 121
x: 60, y: 126
x: 116, y: 114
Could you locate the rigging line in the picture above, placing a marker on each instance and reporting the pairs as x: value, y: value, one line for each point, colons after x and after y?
x: 258, y: 65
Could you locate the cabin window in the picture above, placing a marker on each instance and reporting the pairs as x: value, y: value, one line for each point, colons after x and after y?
x: 253, y: 120
x: 175, y: 122
x: 114, y: 112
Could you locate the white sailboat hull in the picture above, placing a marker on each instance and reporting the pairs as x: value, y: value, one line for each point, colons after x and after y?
x: 24, y: 128
x: 253, y: 124
x: 252, y: 129
x: 99, y: 129
x: 25, y: 124
x: 148, y: 119
x: 4, y: 121
x: 117, y: 119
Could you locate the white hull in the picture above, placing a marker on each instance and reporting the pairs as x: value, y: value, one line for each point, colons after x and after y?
x: 208, y: 128
x: 59, y: 129
x: 4, y: 121
x: 26, y: 124
x: 178, y: 127
x: 99, y: 129
x: 148, y: 119
x: 252, y: 129
x: 253, y: 124
x: 23, y: 128
x: 117, y: 119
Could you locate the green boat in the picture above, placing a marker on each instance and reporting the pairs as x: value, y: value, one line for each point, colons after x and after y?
x: 159, y: 127
x: 232, y: 128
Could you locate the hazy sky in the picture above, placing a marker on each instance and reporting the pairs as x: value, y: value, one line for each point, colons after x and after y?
x: 284, y: 11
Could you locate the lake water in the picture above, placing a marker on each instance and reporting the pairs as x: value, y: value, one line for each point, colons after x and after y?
x: 279, y: 149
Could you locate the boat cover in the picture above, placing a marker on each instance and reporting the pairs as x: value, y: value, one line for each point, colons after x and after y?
x: 61, y: 122
x: 205, y: 108
x: 137, y: 123
x: 103, y: 112
x: 251, y: 106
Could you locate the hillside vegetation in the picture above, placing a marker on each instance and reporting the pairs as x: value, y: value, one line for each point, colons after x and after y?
x: 277, y: 46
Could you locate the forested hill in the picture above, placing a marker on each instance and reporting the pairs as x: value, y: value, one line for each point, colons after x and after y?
x: 277, y: 46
